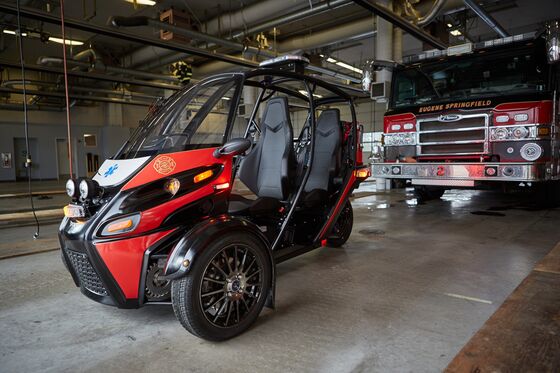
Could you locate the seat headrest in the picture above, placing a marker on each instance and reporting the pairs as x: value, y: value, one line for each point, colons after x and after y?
x: 328, y: 121
x: 276, y: 114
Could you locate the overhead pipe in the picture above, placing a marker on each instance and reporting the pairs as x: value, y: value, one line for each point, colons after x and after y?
x: 487, y: 18
x: 43, y: 60
x: 251, y: 16
x: 319, y: 39
x: 326, y: 37
x: 28, y: 12
x: 432, y: 14
x: 118, y: 21
x: 253, y: 13
x: 400, y: 22
x: 19, y: 107
x: 316, y: 40
x: 93, y: 76
x: 299, y: 15
x: 77, y: 97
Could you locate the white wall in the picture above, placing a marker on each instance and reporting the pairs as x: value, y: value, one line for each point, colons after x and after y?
x: 46, y: 126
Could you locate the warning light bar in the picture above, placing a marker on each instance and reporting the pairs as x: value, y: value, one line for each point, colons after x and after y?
x: 467, y: 48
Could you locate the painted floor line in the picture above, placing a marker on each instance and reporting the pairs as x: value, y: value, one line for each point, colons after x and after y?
x: 27, y: 253
x: 458, y: 296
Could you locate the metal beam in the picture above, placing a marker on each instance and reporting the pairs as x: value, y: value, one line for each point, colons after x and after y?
x: 91, y: 75
x: 487, y: 18
x: 32, y: 13
x: 400, y: 22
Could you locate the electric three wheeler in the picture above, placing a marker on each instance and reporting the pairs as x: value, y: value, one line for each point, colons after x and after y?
x: 161, y: 221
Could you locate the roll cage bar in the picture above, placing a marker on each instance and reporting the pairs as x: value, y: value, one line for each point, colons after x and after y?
x: 310, y: 84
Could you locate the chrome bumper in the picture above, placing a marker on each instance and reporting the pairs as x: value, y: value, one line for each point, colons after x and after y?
x: 460, y: 174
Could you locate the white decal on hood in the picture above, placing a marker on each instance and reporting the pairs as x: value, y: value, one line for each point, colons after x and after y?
x: 113, y: 172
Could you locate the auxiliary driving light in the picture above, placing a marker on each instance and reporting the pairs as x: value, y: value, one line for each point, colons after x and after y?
x: 72, y: 188
x: 88, y: 188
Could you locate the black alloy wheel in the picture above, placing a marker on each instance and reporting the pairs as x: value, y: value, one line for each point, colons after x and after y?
x: 226, y: 289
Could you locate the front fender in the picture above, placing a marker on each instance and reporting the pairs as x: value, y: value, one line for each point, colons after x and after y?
x: 201, y: 236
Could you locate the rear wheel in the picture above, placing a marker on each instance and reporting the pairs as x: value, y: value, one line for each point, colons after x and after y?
x: 428, y: 193
x: 225, y: 290
x: 342, y: 227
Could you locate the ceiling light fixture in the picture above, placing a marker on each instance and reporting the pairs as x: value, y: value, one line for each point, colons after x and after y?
x: 67, y: 41
x: 12, y: 32
x: 304, y: 92
x: 349, y: 67
x: 455, y: 32
x: 142, y: 2
x: 343, y: 65
x: 449, y: 25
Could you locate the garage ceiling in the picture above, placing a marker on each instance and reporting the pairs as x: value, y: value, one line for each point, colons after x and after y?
x: 114, y: 52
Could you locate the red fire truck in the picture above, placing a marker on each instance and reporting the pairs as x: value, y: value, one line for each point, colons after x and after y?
x: 476, y: 115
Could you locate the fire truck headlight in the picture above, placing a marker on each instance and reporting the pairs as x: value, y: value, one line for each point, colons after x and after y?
x: 399, y: 139
x: 531, y: 151
x: 499, y: 133
x: 520, y: 132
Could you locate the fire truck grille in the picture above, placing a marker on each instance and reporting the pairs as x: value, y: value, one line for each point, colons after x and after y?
x: 465, y: 135
x: 89, y: 279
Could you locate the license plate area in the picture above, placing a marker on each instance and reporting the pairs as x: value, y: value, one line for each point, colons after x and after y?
x: 74, y: 211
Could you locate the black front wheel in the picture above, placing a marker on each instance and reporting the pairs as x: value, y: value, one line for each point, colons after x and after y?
x: 225, y: 290
x: 342, y: 227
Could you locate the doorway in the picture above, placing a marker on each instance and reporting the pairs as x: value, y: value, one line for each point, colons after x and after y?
x: 62, y: 159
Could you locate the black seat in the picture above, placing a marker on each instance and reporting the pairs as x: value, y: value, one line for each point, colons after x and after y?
x: 268, y: 168
x: 327, y: 157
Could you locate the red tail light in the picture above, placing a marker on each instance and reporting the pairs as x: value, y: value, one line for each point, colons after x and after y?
x: 399, y: 123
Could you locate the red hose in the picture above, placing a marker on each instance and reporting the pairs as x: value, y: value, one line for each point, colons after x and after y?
x: 66, y: 87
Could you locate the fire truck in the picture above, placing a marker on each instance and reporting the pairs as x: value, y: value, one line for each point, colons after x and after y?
x: 476, y: 115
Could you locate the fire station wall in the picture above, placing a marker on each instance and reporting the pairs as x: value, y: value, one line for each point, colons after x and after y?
x: 45, y: 127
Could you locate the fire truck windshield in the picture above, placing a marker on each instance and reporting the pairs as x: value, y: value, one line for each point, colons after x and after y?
x: 481, y: 75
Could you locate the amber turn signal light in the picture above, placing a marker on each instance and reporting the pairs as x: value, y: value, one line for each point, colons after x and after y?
x: 203, y: 176
x: 362, y: 173
x: 120, y: 225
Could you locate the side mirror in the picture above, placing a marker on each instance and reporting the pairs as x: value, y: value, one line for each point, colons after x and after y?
x: 233, y: 147
x: 553, y: 42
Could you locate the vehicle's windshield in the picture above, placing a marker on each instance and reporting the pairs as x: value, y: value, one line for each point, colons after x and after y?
x: 192, y: 119
x: 471, y: 77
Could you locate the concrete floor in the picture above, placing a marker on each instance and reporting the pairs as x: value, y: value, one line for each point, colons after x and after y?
x: 391, y: 300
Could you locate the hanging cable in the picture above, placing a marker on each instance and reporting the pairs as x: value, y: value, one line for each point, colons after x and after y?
x: 28, y: 161
x: 69, y: 133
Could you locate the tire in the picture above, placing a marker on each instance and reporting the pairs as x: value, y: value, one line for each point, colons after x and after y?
x: 196, y: 300
x: 342, y: 227
x: 427, y: 193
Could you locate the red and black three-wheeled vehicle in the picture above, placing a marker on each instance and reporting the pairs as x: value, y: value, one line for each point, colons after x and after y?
x: 159, y: 222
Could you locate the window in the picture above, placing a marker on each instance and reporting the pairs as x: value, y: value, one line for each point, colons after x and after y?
x: 90, y: 141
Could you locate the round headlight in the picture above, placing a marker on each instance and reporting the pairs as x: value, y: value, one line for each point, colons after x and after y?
x: 531, y: 151
x: 72, y: 188
x: 84, y: 189
x: 501, y: 134
x: 520, y: 132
